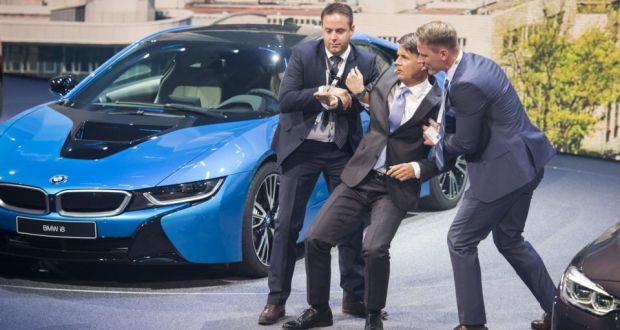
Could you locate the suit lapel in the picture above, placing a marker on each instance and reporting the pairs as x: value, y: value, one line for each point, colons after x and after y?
x: 431, y: 100
x: 351, y: 63
x: 321, y: 56
x: 384, y: 86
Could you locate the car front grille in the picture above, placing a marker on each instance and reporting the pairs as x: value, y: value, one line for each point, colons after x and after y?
x: 69, y: 203
x: 23, y: 199
x: 92, y: 203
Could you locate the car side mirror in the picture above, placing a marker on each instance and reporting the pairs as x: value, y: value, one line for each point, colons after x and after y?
x: 61, y: 85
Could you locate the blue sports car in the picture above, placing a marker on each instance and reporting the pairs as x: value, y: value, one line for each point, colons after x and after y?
x: 162, y: 155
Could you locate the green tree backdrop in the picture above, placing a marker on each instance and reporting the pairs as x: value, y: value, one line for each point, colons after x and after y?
x: 562, y: 79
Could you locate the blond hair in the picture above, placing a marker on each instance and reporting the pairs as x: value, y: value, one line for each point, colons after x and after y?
x: 438, y: 34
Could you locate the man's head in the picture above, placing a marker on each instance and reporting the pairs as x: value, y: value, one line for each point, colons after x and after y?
x: 438, y: 46
x: 408, y: 70
x: 337, y: 23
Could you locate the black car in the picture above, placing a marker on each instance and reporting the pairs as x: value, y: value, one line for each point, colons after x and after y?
x: 589, y: 292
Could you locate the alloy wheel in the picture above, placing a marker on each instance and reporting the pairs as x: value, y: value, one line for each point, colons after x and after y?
x: 453, y: 181
x: 264, y: 214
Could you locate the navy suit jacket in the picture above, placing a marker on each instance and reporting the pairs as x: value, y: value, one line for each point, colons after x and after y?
x: 299, y: 108
x: 504, y: 150
x: 404, y: 145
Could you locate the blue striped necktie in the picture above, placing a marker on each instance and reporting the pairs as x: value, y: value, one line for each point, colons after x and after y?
x: 439, y: 156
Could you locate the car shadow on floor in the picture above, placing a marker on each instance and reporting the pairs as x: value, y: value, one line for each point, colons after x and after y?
x: 42, y: 273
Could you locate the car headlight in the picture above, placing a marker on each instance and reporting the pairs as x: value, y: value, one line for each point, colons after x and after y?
x: 182, y: 193
x: 581, y: 292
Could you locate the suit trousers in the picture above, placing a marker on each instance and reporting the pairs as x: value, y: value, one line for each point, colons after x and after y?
x: 505, y: 218
x: 299, y: 173
x: 342, y: 215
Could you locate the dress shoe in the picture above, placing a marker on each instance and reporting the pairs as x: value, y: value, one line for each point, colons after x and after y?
x: 311, y: 318
x: 373, y: 322
x: 470, y: 327
x: 271, y: 314
x: 357, y: 308
x: 542, y: 324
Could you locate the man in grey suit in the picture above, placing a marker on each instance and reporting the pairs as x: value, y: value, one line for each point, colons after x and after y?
x: 506, y: 155
x: 382, y: 179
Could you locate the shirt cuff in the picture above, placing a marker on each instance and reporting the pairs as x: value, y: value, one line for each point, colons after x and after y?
x: 416, y: 169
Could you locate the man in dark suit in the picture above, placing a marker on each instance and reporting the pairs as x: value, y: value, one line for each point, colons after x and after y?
x: 506, y: 155
x: 382, y: 179
x: 319, y: 129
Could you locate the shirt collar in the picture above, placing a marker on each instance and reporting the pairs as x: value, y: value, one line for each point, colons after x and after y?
x: 419, y: 89
x: 343, y: 56
x: 452, y: 70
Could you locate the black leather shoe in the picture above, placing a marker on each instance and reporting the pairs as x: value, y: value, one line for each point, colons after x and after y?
x: 271, y: 314
x: 311, y: 318
x: 357, y: 308
x: 470, y: 327
x: 542, y: 324
x: 373, y: 322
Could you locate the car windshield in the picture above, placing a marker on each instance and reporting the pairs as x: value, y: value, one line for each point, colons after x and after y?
x: 217, y: 79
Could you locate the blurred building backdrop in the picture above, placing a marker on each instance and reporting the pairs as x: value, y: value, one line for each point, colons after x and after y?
x: 552, y: 49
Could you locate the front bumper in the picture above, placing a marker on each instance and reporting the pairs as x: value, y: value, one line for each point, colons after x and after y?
x: 206, y: 232
x: 569, y: 317
x: 148, y: 245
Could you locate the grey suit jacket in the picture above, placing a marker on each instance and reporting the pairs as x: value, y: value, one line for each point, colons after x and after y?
x: 504, y: 150
x: 404, y: 145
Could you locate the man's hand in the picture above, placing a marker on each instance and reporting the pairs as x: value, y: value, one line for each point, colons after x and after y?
x: 342, y: 95
x: 430, y: 132
x: 401, y: 172
x: 355, y: 81
x: 326, y: 97
x: 330, y: 96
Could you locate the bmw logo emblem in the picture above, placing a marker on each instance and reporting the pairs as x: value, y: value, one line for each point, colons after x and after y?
x: 58, y: 179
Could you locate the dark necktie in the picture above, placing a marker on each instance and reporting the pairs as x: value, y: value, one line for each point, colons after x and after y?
x: 439, y: 156
x: 333, y: 68
x: 333, y: 74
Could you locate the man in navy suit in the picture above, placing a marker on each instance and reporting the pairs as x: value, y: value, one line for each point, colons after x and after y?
x: 506, y: 155
x: 318, y: 131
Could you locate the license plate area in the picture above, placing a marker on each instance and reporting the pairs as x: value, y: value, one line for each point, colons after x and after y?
x: 55, y: 228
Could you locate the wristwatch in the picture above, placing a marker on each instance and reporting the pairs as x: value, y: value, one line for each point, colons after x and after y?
x: 361, y: 93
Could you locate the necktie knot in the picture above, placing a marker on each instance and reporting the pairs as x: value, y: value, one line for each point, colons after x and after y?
x: 397, y: 109
x: 403, y: 91
x: 333, y: 68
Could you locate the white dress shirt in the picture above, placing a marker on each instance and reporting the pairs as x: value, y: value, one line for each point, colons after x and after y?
x: 413, y: 101
x: 452, y: 70
x: 326, y: 134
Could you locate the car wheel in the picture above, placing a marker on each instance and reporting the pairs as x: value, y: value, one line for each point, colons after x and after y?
x: 260, y: 210
x: 447, y: 188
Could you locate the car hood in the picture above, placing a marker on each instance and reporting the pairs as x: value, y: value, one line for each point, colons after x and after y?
x: 600, y: 261
x: 33, y: 148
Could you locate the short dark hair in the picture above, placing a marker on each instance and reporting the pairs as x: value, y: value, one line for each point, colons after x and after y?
x: 409, y: 42
x: 338, y: 8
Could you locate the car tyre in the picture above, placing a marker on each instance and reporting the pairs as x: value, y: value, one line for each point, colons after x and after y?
x: 260, y: 210
x: 447, y: 188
